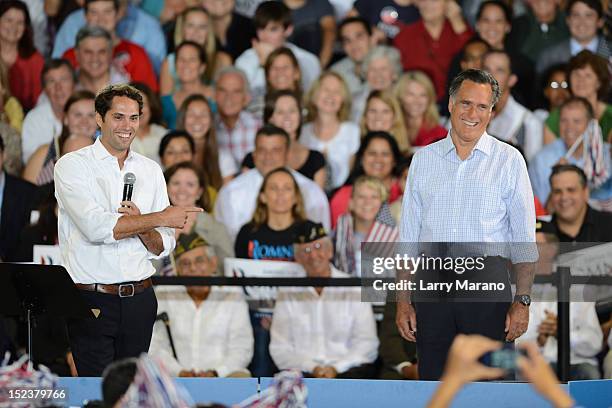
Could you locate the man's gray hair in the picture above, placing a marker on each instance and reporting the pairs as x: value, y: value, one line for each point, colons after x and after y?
x: 478, y: 76
x: 230, y: 69
x: 93, y: 32
x: 384, y: 51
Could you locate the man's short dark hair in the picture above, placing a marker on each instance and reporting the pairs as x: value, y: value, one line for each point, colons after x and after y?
x: 578, y: 100
x: 592, y: 4
x: 56, y: 63
x: 503, y: 6
x: 88, y: 2
x: 478, y: 76
x: 116, y: 379
x: 271, y: 130
x: 93, y: 32
x: 492, y: 51
x: 562, y: 168
x: 272, y: 12
x: 104, y: 98
x: 355, y: 19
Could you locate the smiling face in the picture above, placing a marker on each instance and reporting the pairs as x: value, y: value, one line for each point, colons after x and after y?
x: 583, y: 22
x: 184, y: 188
x: 470, y: 111
x: 270, y: 153
x: 414, y: 100
x: 568, y: 197
x: 557, y: 89
x: 286, y: 115
x: 189, y: 67
x: 355, y: 41
x: 283, y: 74
x: 379, y: 116
x: 81, y: 118
x: 119, y: 126
x: 195, y: 27
x: 102, y: 14
x: 328, y: 98
x: 59, y: 84
x: 231, y: 94
x: 365, y: 203
x: 12, y: 25
x: 380, y: 75
x: 177, y: 151
x: 279, y: 194
x: 573, y: 121
x: 94, y: 56
x: 584, y: 82
x: 378, y: 159
x: 492, y: 26
x: 198, y: 119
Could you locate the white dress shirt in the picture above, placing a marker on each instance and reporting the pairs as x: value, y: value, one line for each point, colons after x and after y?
x: 507, y: 124
x: 39, y: 127
x: 89, y: 189
x: 248, y: 61
x: 337, y: 150
x: 237, y: 200
x: 217, y: 335
x: 334, y: 328
x: 585, y: 333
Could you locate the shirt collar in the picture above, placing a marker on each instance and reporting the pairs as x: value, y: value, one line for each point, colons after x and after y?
x: 484, y: 144
x: 576, y: 47
x: 100, y: 152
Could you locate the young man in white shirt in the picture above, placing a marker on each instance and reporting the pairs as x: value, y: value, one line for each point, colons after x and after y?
x: 273, y: 26
x: 210, y: 326
x: 106, y: 243
x: 236, y: 201
x: 323, y: 332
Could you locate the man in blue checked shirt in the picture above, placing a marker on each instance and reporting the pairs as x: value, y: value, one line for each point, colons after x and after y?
x: 469, y: 187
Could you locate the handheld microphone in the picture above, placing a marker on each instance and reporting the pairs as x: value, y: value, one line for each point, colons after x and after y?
x: 128, y: 186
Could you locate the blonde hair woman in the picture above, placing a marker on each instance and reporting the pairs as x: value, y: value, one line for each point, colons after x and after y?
x: 193, y: 24
x: 328, y: 129
x: 417, y: 97
x: 383, y: 113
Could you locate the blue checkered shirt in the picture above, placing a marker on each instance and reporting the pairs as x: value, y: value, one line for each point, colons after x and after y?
x: 484, y: 198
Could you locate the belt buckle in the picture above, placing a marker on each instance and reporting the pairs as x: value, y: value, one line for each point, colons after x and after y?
x: 126, y: 285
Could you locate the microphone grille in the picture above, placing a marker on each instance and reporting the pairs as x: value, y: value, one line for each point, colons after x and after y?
x: 129, y: 178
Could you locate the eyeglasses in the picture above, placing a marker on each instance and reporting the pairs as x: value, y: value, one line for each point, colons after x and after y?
x: 557, y: 85
x: 186, y: 263
x: 317, y: 246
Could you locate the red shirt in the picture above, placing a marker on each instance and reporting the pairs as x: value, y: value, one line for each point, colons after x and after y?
x: 24, y: 79
x: 420, y: 51
x: 428, y: 136
x: 130, y: 59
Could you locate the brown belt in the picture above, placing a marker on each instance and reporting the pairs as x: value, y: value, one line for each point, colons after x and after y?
x: 120, y: 289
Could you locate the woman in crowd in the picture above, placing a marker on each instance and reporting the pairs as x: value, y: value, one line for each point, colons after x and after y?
x: 588, y: 78
x: 190, y: 67
x: 283, y: 109
x: 555, y: 90
x: 187, y: 188
x: 328, y: 129
x: 383, y: 114
x: 195, y: 116
x: 79, y: 126
x: 150, y: 129
x: 11, y: 111
x: 193, y: 25
x: 377, y: 157
x: 18, y: 53
x: 270, y: 236
x: 361, y: 225
x: 417, y: 96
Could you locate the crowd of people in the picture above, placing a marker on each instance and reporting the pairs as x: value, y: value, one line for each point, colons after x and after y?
x: 292, y: 124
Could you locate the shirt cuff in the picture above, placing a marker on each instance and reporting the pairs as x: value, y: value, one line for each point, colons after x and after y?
x: 400, y: 366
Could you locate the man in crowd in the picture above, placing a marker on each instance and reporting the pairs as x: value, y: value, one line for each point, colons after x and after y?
x: 469, y: 187
x: 134, y: 25
x: 356, y: 37
x: 512, y: 122
x: 44, y: 122
x: 237, y: 200
x: 575, y: 115
x: 129, y: 58
x: 323, y: 332
x: 93, y: 53
x: 235, y: 127
x: 210, y: 326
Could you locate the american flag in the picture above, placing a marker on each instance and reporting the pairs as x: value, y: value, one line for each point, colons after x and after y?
x: 595, y: 166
